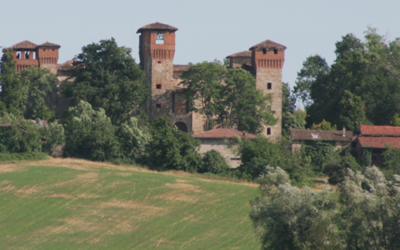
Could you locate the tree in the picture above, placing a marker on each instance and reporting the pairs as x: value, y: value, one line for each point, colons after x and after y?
x: 89, y: 134
x: 227, y: 97
x: 363, y: 79
x: 18, y: 135
x: 134, y: 139
x: 286, y: 217
x: 170, y: 148
x: 369, y: 217
x: 25, y: 93
x: 213, y: 162
x: 108, y: 77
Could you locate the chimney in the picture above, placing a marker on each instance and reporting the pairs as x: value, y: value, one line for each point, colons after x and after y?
x: 344, y: 131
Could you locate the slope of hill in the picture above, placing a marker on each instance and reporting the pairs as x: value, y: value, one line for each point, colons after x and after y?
x: 78, y: 204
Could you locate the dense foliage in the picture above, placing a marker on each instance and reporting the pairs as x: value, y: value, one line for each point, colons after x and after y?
x: 28, y: 92
x: 213, y: 162
x: 227, y: 97
x: 170, y: 148
x: 361, y: 87
x: 108, y: 77
x: 365, y: 217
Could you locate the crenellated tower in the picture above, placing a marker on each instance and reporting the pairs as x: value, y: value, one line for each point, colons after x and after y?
x: 156, y: 51
x: 267, y: 59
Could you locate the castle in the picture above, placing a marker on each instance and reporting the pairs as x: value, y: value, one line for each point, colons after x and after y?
x: 156, y: 50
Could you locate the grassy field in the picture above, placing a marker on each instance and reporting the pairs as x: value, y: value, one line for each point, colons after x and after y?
x: 78, y: 204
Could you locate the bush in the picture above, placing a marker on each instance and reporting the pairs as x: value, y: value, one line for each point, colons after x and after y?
x: 319, y: 151
x: 213, y: 162
x: 337, y: 167
x: 170, y: 148
x: 89, y: 134
x: 29, y: 156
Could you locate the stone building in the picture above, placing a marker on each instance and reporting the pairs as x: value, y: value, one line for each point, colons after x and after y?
x: 340, y: 139
x: 157, y: 49
x: 217, y: 138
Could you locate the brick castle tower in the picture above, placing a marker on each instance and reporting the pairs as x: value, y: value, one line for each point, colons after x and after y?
x: 28, y: 54
x: 156, y: 51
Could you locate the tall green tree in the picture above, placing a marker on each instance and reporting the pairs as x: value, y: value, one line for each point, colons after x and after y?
x: 227, y: 97
x: 365, y: 75
x: 108, y: 77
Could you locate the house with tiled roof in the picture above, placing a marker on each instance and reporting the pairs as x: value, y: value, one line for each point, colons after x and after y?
x: 340, y: 139
x: 377, y: 139
x: 217, y: 139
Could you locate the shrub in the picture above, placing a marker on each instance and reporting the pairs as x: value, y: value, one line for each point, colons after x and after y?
x: 337, y: 167
x: 213, y: 162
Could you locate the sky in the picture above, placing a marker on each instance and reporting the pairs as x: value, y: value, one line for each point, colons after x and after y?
x: 207, y: 29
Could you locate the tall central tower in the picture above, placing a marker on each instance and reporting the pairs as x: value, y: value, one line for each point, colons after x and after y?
x: 156, y: 51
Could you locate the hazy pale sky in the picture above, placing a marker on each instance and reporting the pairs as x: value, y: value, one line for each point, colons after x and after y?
x: 207, y: 30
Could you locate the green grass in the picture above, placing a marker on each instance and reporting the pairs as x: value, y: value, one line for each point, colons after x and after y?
x: 99, y: 208
x: 31, y: 156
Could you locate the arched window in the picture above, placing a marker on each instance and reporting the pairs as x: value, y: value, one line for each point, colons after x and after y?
x: 181, y: 126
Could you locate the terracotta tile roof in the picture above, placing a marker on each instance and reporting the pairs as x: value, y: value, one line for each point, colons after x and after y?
x: 179, y: 67
x: 24, y: 45
x: 379, y: 130
x: 379, y: 142
x: 157, y: 26
x: 334, y: 135
x: 268, y: 44
x: 246, y: 53
x: 68, y: 65
x: 224, y: 133
x: 47, y: 44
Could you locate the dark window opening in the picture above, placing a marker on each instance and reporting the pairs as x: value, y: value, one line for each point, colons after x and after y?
x: 158, y: 86
x: 181, y: 126
x: 269, y: 85
x: 53, y: 49
x: 173, y: 102
x: 44, y: 49
x: 264, y: 51
x: 159, y: 61
x: 275, y: 51
x: 268, y: 131
x: 18, y: 54
x: 27, y: 54
x: 158, y: 105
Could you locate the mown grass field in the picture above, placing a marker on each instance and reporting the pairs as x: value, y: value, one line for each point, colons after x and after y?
x: 77, y: 204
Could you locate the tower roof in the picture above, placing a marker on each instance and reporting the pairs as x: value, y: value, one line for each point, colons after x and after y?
x: 47, y: 44
x: 24, y: 45
x: 268, y: 44
x: 246, y: 53
x: 157, y: 26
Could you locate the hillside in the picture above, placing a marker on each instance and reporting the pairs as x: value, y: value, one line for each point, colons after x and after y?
x: 78, y: 204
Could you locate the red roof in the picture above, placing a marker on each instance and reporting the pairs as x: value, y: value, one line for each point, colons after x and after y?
x: 157, y: 26
x: 47, y: 44
x: 379, y: 130
x: 246, y: 53
x: 379, y: 142
x: 24, y: 45
x: 224, y: 133
x: 269, y: 44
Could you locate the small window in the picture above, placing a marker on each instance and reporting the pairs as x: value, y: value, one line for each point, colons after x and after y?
x: 160, y: 38
x: 268, y: 131
x: 158, y: 86
x: 264, y: 51
x: 269, y: 85
x: 159, y: 61
x: 18, y: 54
x: 44, y: 49
x: 27, y: 54
x: 158, y: 105
x: 275, y: 51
